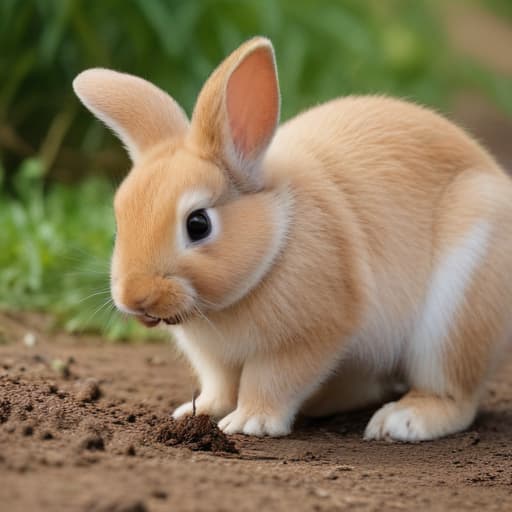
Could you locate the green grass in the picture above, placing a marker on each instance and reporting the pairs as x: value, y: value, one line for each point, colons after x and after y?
x: 325, y: 48
x: 55, y: 253
x: 55, y: 212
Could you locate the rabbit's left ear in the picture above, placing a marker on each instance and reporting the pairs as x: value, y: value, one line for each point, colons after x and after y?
x: 237, y: 111
x: 138, y: 112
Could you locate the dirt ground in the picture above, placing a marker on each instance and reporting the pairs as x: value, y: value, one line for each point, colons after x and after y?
x: 80, y: 423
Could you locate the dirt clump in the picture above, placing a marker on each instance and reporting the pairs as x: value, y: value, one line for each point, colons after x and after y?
x: 92, y: 442
x: 89, y: 391
x: 199, y: 433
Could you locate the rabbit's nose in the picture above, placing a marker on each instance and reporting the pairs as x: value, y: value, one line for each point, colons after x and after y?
x: 136, y: 295
x: 139, y: 304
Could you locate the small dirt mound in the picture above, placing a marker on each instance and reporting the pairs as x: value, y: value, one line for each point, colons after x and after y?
x: 199, y: 433
x: 92, y: 442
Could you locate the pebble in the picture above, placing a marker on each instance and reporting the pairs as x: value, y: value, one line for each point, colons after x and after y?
x: 89, y: 391
x: 30, y: 339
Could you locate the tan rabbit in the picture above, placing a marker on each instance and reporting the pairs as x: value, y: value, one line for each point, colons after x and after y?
x: 365, y: 243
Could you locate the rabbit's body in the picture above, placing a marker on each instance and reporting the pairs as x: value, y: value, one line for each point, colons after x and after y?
x: 367, y: 245
x: 407, y: 209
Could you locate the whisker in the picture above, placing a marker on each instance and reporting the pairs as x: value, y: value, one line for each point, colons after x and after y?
x: 108, y: 302
x: 112, y: 315
x: 101, y: 292
x: 86, y: 272
x: 84, y: 257
x: 208, y: 303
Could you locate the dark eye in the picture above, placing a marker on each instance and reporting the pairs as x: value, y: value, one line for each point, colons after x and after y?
x: 198, y: 225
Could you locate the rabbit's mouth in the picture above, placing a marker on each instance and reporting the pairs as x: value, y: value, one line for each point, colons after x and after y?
x: 153, y: 321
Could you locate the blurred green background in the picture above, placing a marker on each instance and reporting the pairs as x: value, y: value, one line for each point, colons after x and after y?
x: 59, y: 166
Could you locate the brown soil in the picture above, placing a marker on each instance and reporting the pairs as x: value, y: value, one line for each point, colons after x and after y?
x: 85, y: 426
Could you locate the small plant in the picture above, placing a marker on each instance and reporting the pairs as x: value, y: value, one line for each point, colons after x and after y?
x: 55, y: 252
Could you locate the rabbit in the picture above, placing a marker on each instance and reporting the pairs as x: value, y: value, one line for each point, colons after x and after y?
x: 360, y: 250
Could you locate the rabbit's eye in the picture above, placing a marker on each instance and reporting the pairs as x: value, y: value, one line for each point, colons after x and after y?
x: 198, y: 225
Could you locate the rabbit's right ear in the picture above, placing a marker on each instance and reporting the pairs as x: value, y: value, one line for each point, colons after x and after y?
x: 237, y: 112
x: 138, y: 112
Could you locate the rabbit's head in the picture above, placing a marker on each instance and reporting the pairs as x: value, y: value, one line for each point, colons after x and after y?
x: 196, y: 227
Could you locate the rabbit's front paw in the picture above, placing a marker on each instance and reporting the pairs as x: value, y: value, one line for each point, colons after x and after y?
x: 204, y: 405
x: 396, y: 422
x: 243, y: 422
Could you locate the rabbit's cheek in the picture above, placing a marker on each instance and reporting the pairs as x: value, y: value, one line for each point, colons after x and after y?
x: 254, y: 230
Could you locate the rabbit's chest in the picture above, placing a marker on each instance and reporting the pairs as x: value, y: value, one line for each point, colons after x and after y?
x: 233, y: 343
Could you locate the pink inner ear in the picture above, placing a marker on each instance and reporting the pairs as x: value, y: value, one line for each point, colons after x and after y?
x: 252, y: 102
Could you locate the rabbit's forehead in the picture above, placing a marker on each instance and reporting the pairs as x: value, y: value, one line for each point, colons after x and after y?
x: 176, y: 183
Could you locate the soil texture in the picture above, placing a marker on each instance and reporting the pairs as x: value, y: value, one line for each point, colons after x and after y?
x: 85, y: 426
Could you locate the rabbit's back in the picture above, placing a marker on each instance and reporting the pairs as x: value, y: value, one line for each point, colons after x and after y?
x: 415, y: 183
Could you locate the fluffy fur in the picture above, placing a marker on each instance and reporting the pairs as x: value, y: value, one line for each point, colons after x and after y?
x: 362, y: 248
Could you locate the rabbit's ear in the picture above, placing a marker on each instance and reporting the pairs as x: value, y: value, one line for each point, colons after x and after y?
x: 138, y: 112
x: 237, y: 111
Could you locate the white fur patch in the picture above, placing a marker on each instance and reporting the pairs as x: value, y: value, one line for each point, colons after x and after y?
x: 394, y: 422
x: 241, y: 422
x: 444, y: 297
x: 202, y: 331
x: 206, y: 368
x: 423, y: 421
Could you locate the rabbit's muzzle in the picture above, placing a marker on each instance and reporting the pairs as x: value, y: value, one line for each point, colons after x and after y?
x: 154, y: 299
